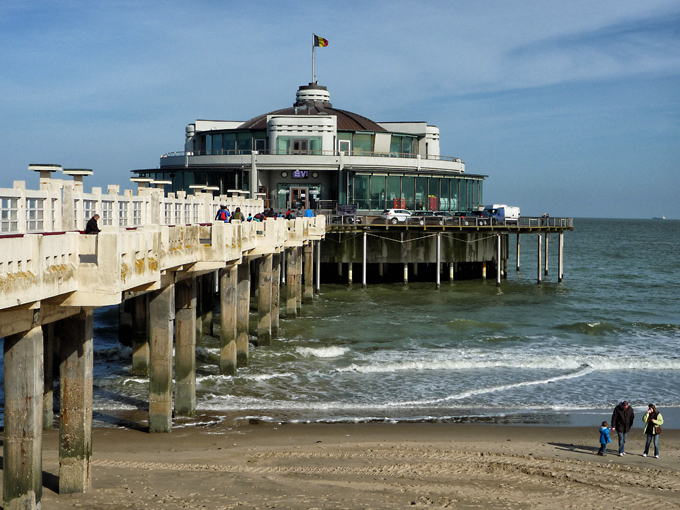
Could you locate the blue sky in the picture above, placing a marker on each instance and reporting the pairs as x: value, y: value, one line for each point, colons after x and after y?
x: 570, y: 108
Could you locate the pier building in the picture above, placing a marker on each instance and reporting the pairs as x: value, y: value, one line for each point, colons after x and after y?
x: 162, y: 258
x: 314, y: 155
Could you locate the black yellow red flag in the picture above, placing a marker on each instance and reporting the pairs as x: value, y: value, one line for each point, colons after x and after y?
x: 320, y: 41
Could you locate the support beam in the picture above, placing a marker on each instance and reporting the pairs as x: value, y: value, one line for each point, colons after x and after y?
x: 539, y: 259
x: 22, y: 444
x: 291, y: 284
x: 317, y: 282
x: 140, y: 335
x: 242, y: 314
x: 518, y: 236
x: 161, y: 316
x: 350, y: 274
x: 48, y: 375
x: 439, y: 259
x: 75, y: 402
x: 264, y: 300
x: 309, y: 273
x: 228, y: 321
x: 560, y: 258
x: 276, y: 293
x: 363, y: 264
x: 451, y: 272
x: 207, y: 286
x: 499, y: 262
x: 298, y: 279
x: 484, y: 270
x: 185, y: 350
x: 546, y: 253
x: 405, y: 273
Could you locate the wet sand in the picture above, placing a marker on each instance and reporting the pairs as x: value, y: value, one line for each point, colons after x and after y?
x: 368, y: 466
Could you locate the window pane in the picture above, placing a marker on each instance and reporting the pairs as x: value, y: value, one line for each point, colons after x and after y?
x: 361, y: 191
x: 463, y: 206
x: 407, y: 189
x: 421, y: 193
x: 378, y: 192
x: 433, y: 194
x: 363, y: 143
x: 393, y: 193
x: 444, y: 202
x: 395, y: 145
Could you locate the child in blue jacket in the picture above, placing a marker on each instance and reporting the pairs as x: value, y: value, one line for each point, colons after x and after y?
x: 604, y: 438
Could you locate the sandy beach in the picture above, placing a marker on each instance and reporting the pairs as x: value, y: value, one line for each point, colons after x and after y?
x: 368, y: 466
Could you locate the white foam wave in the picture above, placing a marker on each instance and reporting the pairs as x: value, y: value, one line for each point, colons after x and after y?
x: 599, y: 363
x: 322, y: 352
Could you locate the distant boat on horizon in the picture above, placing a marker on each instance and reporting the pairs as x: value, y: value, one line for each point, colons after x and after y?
x: 659, y: 218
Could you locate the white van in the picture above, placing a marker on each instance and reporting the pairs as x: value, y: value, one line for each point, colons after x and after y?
x: 502, y: 213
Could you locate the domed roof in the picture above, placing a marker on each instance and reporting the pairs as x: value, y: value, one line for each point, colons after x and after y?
x: 313, y: 99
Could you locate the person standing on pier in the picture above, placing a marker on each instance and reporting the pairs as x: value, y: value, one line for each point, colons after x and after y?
x: 92, y: 227
x: 622, y: 421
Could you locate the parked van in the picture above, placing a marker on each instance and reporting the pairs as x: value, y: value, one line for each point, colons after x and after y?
x: 502, y: 213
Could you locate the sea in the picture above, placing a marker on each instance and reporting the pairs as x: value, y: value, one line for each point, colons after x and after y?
x: 556, y: 353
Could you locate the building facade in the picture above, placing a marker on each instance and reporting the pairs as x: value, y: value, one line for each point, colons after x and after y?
x: 313, y: 155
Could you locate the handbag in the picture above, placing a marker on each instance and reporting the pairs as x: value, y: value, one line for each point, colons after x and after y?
x: 657, y: 429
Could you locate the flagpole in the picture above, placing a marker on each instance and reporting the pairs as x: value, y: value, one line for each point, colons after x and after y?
x: 313, y: 71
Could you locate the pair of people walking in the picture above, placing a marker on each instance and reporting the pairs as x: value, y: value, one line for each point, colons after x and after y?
x: 622, y: 421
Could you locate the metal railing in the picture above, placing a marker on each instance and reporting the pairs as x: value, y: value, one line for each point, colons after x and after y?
x: 233, y: 152
x: 524, y: 223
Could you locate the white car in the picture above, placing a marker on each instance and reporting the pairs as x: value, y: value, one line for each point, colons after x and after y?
x: 395, y: 216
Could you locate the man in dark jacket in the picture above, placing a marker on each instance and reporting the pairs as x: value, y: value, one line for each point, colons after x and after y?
x: 92, y: 227
x: 622, y: 421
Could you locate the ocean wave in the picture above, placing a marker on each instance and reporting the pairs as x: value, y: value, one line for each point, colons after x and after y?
x: 322, y: 352
x: 584, y: 370
x: 600, y: 363
x: 467, y: 324
x: 590, y: 328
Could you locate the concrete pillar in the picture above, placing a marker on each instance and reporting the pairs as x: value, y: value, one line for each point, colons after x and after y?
x: 264, y: 300
x: 539, y: 259
x: 499, y: 262
x: 518, y: 236
x: 242, y: 313
x: 298, y: 279
x: 48, y: 376
x: 439, y: 259
x: 161, y: 316
x: 228, y: 319
x: 207, y: 286
x: 363, y: 264
x: 309, y: 273
x: 484, y: 270
x: 75, y: 402
x: 381, y: 270
x: 185, y: 348
x: 405, y: 273
x: 560, y: 258
x: 546, y: 254
x: 199, y: 310
x: 317, y: 282
x: 140, y: 335
x: 291, y: 285
x: 276, y: 293
x: 340, y: 270
x: 451, y: 272
x: 350, y: 274
x: 22, y: 444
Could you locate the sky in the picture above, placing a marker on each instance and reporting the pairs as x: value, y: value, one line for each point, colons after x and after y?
x: 571, y: 108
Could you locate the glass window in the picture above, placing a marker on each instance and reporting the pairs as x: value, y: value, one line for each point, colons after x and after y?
x: 408, y: 191
x: 228, y: 143
x: 90, y: 206
x: 244, y: 143
x: 462, y: 196
x: 433, y: 194
x: 377, y: 192
x: 360, y: 193
x: 34, y: 213
x: 395, y: 146
x: 470, y: 195
x: 217, y: 144
x: 407, y: 145
x: 363, y: 143
x: 393, y: 193
x: 8, y: 215
x: 178, y: 213
x: 208, y: 144
x: 107, y: 212
x: 421, y: 193
x: 136, y: 213
x: 168, y: 213
x: 122, y: 214
x: 444, y: 202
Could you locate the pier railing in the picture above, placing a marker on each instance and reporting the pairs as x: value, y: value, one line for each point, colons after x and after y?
x: 44, y: 256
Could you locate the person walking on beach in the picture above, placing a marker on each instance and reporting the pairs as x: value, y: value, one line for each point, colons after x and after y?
x: 92, y: 227
x: 653, y: 420
x: 604, y: 438
x: 622, y: 421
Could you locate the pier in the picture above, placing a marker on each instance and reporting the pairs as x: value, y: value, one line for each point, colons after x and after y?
x: 162, y: 258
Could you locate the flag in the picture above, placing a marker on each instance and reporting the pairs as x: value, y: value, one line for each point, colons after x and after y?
x: 320, y: 41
